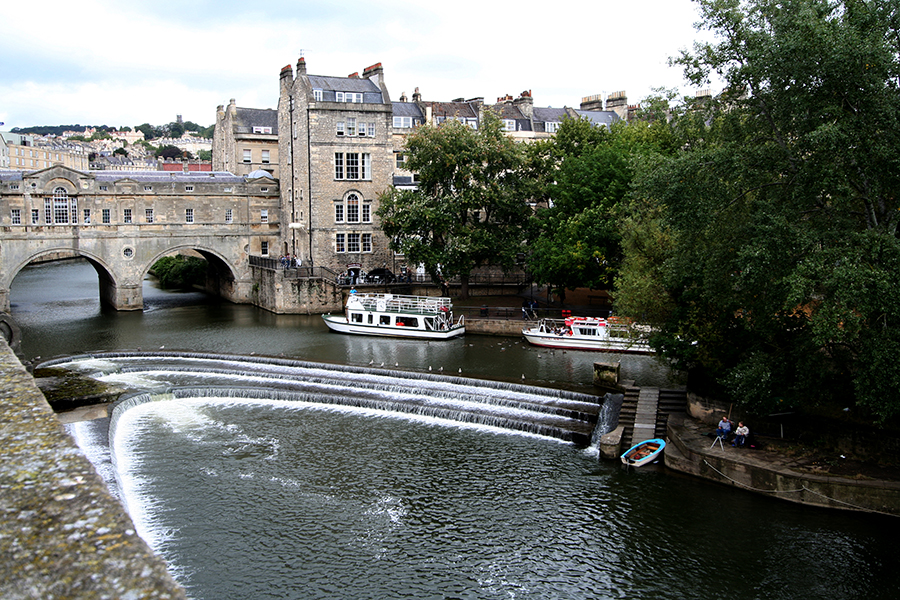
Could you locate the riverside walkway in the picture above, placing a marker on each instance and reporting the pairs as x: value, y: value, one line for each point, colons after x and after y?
x: 772, y: 473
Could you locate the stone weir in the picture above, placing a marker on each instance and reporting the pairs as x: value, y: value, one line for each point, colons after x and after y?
x: 561, y: 414
x: 62, y: 535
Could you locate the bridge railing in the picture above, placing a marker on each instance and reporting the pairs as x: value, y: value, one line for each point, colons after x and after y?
x: 292, y: 272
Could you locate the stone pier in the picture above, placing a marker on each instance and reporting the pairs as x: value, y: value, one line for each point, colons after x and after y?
x: 645, y: 417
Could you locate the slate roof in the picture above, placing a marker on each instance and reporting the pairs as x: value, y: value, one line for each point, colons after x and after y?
x: 371, y: 92
x: 159, y: 176
x: 600, y: 117
x: 407, y: 109
x: 248, y: 118
x: 453, y: 109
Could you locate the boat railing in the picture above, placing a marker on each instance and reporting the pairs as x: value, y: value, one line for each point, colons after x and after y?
x: 403, y: 303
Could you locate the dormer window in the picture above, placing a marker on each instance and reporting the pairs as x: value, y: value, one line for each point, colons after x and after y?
x: 509, y: 124
x: 262, y: 130
x: 356, y: 97
x: 317, y: 95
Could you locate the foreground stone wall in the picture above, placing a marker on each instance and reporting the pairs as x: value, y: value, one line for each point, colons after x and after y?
x: 62, y: 535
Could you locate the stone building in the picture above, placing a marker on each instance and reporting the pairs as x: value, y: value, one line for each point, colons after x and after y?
x: 245, y: 140
x: 336, y: 145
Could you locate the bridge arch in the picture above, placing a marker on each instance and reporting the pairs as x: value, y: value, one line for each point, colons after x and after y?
x: 221, y: 274
x: 105, y: 274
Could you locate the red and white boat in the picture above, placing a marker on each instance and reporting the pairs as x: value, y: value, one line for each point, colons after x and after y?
x: 589, y: 333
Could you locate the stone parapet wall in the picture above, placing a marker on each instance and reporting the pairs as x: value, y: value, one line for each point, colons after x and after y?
x: 62, y: 535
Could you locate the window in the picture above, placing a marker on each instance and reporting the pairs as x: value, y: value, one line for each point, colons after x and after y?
x: 403, y: 122
x: 14, y: 186
x: 189, y: 188
x: 263, y: 189
x: 352, y: 165
x: 247, y: 156
x: 264, y: 248
x: 104, y: 188
x: 148, y: 215
x: 338, y: 212
x: 340, y: 128
x: 348, y: 97
x: 339, y: 243
x: 371, y: 130
x: 126, y: 215
x: 509, y: 125
x: 87, y: 216
x: 16, y: 216
x: 148, y: 188
x: 352, y: 242
x: 400, y: 160
x: 551, y: 126
x: 189, y: 215
x: 264, y: 215
x: 353, y: 209
x: 367, y: 242
x: 228, y: 216
x: 36, y: 216
x: 262, y: 130
x: 351, y: 126
x: 366, y: 213
x: 265, y: 157
x: 352, y: 159
x: 60, y: 214
x: 317, y: 95
x: 105, y: 216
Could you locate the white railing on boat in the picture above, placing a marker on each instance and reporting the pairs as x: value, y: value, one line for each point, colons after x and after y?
x: 400, y: 303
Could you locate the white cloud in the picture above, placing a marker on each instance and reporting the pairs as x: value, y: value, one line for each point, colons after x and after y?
x: 122, y: 62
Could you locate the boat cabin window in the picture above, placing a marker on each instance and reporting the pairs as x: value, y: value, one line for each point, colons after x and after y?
x: 384, y: 320
x: 587, y: 330
x: 407, y: 322
x: 356, y: 317
x: 370, y: 319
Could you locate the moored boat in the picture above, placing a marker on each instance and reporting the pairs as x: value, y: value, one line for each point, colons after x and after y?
x: 644, y: 452
x: 396, y: 315
x: 588, y: 333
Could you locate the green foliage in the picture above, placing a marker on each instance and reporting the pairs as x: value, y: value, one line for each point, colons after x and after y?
x: 766, y: 249
x: 180, y: 272
x: 467, y: 210
x: 120, y: 151
x: 204, y: 154
x: 168, y: 151
x: 575, y: 241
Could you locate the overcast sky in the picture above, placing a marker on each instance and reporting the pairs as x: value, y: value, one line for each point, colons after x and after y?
x: 127, y: 62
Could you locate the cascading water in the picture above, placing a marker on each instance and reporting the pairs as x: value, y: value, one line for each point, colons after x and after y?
x: 608, y: 418
x: 562, y: 414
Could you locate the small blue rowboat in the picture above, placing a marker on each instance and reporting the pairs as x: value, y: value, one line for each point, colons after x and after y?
x: 644, y: 452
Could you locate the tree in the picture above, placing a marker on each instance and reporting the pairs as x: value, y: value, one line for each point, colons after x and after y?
x: 168, y: 151
x: 575, y: 241
x: 120, y: 151
x: 779, y: 216
x: 467, y: 210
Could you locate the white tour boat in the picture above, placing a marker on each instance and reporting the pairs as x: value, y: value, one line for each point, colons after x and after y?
x: 588, y: 333
x: 396, y: 315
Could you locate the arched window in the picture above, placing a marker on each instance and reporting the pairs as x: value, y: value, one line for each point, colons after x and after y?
x: 57, y: 210
x: 352, y: 208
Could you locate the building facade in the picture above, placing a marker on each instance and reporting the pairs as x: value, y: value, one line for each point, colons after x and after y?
x: 337, y: 156
x: 245, y: 140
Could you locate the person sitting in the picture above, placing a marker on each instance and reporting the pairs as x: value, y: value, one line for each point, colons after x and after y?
x: 740, y: 435
x: 724, y: 428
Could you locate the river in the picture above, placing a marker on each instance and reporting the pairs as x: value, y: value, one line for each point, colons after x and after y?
x: 268, y: 498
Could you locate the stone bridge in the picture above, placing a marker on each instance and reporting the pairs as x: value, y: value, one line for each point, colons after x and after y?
x: 123, y: 222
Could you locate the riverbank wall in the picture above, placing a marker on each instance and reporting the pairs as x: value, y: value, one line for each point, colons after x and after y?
x: 690, y: 450
x: 62, y: 535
